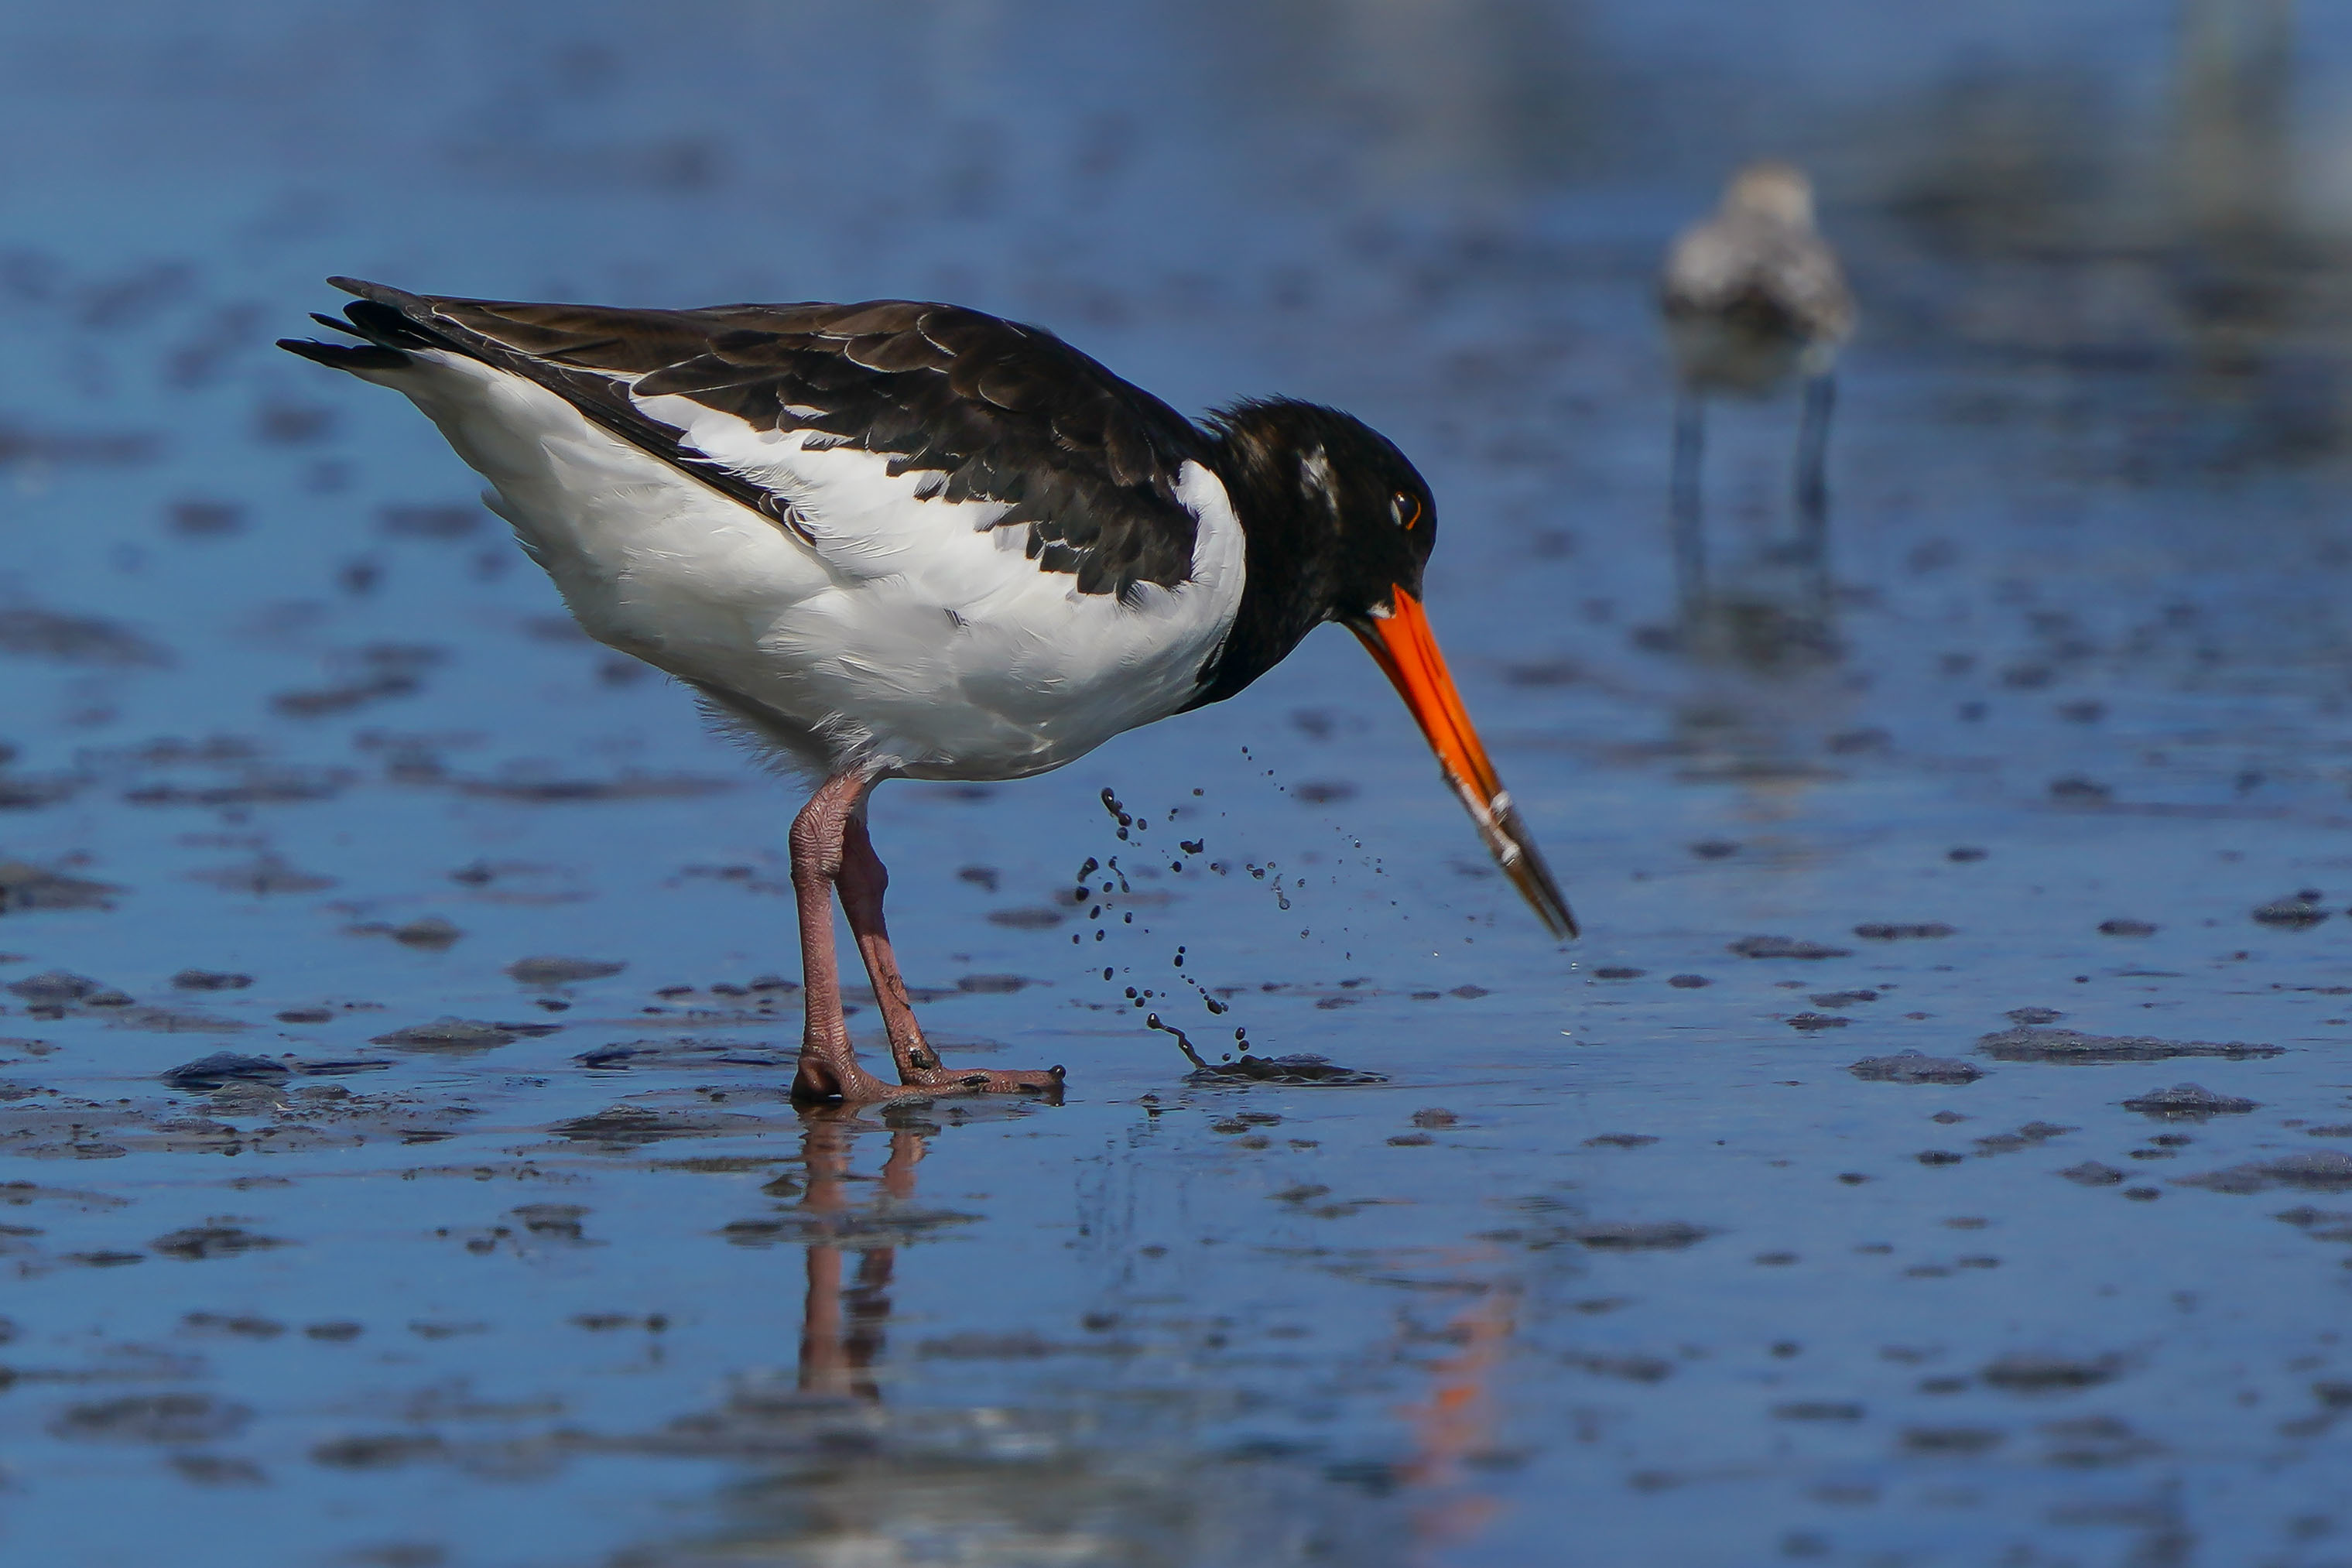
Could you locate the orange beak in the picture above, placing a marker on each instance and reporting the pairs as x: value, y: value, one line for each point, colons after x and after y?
x: 1406, y: 648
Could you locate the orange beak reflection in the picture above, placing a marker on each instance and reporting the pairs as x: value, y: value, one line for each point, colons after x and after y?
x: 1405, y: 649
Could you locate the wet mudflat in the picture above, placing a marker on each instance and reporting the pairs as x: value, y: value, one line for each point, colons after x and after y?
x: 1939, y: 1151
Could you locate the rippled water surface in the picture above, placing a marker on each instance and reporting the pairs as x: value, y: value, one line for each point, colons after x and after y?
x: 1836, y: 1199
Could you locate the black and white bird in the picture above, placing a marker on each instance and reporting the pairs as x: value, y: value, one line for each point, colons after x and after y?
x: 1753, y: 298
x: 897, y: 540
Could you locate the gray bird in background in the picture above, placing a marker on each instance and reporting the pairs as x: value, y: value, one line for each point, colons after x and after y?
x: 1754, y: 297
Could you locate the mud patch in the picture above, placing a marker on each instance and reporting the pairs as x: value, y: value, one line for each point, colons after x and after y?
x: 550, y: 971
x: 209, y: 980
x: 2031, y: 1043
x: 28, y: 633
x: 2188, y: 1102
x: 1914, y: 1067
x: 624, y: 1055
x: 2320, y: 1225
x: 2034, y: 1372
x: 566, y: 792
x: 200, y: 1242
x: 461, y: 1035
x: 2299, y: 912
x: 152, y: 1418
x: 208, y: 1073
x: 2032, y: 1135
x: 2319, y: 1171
x: 623, y: 1126
x: 1300, y: 1068
x: 1785, y: 947
x: 1659, y: 1236
x: 263, y: 876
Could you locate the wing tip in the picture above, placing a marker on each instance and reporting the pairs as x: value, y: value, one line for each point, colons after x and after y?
x: 414, y: 306
x: 346, y: 357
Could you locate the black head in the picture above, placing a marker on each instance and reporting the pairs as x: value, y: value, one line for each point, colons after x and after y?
x: 1336, y: 520
x: 1362, y: 509
x: 1338, y: 526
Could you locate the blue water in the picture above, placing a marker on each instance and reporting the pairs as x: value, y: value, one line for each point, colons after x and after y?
x: 1612, y: 1270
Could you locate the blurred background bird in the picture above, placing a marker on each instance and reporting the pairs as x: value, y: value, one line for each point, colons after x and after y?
x: 1754, y: 298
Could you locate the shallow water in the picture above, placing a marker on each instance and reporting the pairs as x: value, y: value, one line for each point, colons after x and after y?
x: 1616, y: 1267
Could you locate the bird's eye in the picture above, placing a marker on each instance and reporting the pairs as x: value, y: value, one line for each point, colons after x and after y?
x: 1406, y: 509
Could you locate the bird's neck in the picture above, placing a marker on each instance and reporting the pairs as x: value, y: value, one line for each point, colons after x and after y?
x: 1288, y: 580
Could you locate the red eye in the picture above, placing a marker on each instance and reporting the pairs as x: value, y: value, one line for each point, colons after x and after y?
x: 1407, y: 509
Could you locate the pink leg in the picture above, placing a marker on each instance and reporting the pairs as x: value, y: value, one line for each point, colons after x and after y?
x: 863, y: 881
x: 830, y: 850
x: 828, y: 1065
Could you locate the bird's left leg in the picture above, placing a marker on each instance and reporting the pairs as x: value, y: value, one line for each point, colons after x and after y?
x: 1813, y: 479
x: 828, y: 1062
x: 1689, y: 522
x: 861, y: 883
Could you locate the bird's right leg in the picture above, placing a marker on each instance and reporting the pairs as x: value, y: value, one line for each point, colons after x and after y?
x: 1688, y: 520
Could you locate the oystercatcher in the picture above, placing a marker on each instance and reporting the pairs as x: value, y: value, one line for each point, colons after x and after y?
x: 895, y: 539
x: 1753, y: 296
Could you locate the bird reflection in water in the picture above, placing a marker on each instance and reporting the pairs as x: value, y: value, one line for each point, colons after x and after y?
x: 1457, y: 1425
x: 842, y: 1330
x: 1754, y: 299
x: 1069, y: 1461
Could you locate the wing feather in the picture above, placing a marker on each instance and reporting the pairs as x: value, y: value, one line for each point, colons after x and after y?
x: 999, y: 412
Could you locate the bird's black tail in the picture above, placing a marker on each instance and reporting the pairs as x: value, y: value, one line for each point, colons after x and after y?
x: 378, y: 318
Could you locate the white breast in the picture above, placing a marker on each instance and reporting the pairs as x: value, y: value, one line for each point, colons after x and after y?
x: 901, y: 631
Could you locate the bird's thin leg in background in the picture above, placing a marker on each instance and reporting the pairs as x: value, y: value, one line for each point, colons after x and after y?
x: 1813, y: 479
x: 1689, y: 523
x: 828, y: 1064
x: 862, y: 880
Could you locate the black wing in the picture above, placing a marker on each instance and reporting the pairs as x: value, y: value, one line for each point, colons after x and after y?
x: 1001, y: 412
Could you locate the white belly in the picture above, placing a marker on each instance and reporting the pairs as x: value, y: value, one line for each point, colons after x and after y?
x: 901, y: 633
